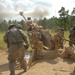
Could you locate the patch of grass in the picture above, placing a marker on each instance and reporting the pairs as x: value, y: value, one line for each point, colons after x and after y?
x: 2, y: 43
x: 66, y: 34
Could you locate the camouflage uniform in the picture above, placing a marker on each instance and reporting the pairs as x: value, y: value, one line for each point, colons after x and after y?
x: 14, y: 38
x: 58, y: 39
x: 72, y: 36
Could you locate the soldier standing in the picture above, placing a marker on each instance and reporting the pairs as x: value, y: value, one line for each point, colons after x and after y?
x: 72, y: 36
x: 58, y: 38
x: 14, y: 38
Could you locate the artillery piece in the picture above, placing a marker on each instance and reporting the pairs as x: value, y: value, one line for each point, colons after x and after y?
x: 46, y: 37
x: 40, y: 40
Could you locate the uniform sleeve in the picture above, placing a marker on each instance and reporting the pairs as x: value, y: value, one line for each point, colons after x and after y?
x: 5, y: 38
x: 24, y: 37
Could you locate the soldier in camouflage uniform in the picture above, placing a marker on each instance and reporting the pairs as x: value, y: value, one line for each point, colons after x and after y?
x: 72, y: 36
x: 19, y: 26
x: 58, y: 38
x: 14, y: 38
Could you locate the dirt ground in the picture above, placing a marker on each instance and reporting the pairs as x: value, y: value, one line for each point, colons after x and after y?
x: 54, y: 66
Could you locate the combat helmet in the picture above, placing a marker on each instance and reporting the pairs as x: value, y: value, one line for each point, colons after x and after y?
x: 11, y: 26
x: 19, y: 26
x: 29, y: 18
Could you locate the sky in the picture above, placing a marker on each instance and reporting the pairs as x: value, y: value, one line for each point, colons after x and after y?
x: 9, y: 9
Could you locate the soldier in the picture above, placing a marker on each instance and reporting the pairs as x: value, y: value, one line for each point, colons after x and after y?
x: 14, y: 38
x: 19, y: 26
x: 58, y: 38
x: 72, y: 36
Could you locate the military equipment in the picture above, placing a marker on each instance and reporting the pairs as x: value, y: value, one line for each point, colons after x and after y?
x: 67, y: 52
x: 21, y: 13
x: 68, y: 40
x: 46, y: 37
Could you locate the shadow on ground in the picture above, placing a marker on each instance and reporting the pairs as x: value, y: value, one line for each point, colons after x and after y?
x: 73, y: 73
x: 4, y: 67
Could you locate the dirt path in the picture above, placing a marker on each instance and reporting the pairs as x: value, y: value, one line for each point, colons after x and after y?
x: 54, y: 66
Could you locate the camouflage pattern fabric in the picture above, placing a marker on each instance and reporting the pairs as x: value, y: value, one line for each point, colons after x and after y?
x: 14, y: 56
x: 58, y: 40
x: 72, y: 36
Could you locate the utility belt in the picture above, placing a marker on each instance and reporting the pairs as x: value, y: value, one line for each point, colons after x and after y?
x: 15, y: 42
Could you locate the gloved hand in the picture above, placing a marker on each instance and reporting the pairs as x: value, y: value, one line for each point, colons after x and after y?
x: 26, y: 46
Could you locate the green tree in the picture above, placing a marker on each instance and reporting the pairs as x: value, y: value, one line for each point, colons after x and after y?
x: 23, y: 24
x: 73, y: 17
x: 73, y: 11
x: 53, y: 23
x: 63, y: 17
x: 4, y: 26
x: 9, y: 22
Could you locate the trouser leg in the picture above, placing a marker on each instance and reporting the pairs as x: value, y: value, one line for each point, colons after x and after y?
x: 12, y: 67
